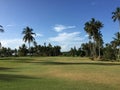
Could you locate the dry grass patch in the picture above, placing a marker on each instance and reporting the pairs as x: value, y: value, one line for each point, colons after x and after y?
x: 100, y: 78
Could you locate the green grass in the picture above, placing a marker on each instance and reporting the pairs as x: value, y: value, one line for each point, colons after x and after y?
x: 58, y: 73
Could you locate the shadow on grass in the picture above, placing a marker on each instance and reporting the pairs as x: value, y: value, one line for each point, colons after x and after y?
x: 16, y: 58
x: 4, y: 68
x: 79, y: 63
x: 12, y: 77
x: 8, y: 69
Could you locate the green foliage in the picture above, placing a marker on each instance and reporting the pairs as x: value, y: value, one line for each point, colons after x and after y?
x: 116, y: 14
x: 6, y: 52
x: 22, y: 51
x: 39, y: 50
x: 109, y: 53
x: 74, y: 52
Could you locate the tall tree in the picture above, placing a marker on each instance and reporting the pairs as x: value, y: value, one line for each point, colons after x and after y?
x: 93, y: 27
x: 28, y: 35
x: 116, y: 17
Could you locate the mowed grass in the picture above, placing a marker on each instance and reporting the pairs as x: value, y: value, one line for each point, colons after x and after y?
x: 58, y: 73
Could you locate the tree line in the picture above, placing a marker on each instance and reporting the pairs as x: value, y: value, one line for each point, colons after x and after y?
x: 37, y: 50
x: 93, y: 49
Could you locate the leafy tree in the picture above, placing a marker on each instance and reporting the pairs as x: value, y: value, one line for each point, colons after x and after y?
x: 28, y: 36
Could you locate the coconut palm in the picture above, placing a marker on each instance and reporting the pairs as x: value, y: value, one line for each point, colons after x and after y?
x: 28, y: 36
x: 116, y: 17
x: 117, y: 42
x: 1, y: 30
x: 116, y: 39
x: 93, y: 27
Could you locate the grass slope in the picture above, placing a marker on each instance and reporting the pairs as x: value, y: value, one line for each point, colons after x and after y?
x: 58, y: 73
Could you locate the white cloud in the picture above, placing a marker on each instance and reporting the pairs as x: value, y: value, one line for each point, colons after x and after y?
x: 12, y: 43
x: 59, y: 28
x: 10, y: 25
x: 68, y: 40
x: 39, y: 35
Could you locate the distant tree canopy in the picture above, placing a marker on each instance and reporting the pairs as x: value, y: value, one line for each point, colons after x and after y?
x: 39, y: 50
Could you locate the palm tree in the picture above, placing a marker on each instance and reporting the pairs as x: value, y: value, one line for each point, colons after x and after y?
x: 116, y: 43
x: 116, y: 39
x: 28, y: 36
x: 93, y: 28
x: 1, y: 30
x: 115, y: 17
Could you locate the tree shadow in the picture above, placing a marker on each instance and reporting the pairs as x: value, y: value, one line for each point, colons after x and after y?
x: 16, y: 58
x: 8, y: 69
x: 12, y: 77
x: 4, y: 68
x: 79, y: 63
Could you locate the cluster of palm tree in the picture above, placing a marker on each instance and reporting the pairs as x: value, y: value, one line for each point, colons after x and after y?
x: 95, y: 44
x: 39, y: 50
x: 116, y: 17
x: 93, y: 27
x: 94, y: 48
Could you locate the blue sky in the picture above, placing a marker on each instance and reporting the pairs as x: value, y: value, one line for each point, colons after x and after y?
x: 59, y: 22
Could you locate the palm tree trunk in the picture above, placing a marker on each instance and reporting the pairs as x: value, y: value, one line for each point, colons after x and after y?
x: 93, y: 49
x: 94, y: 46
x: 99, y: 49
x: 90, y: 42
x: 119, y: 39
x: 29, y: 49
